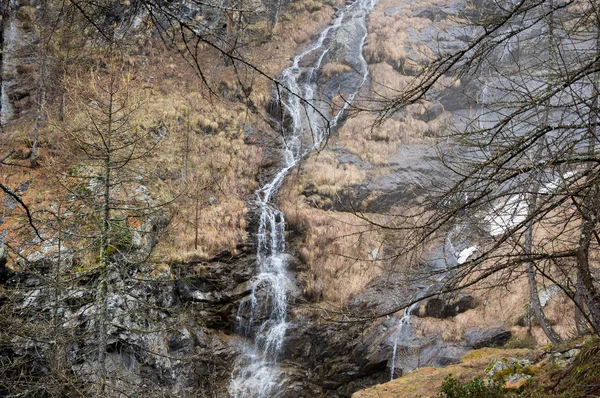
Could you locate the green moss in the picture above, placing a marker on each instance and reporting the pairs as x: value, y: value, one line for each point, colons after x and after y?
x: 476, y: 388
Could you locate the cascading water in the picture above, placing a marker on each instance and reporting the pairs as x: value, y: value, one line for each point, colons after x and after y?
x: 256, y: 374
x: 404, y: 324
x: 439, y: 262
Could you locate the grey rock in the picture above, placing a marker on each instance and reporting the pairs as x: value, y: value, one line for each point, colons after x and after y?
x: 444, y: 307
x: 388, y: 12
x: 512, y: 365
x: 478, y: 338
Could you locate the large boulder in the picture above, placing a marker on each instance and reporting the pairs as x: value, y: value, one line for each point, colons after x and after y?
x: 479, y: 338
x: 444, y: 307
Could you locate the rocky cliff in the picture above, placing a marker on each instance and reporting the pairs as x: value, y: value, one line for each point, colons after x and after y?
x: 175, y: 311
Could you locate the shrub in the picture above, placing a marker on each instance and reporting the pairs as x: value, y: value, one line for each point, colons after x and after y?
x: 476, y: 388
x: 521, y: 342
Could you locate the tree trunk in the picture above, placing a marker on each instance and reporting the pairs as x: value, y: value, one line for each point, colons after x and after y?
x: 59, y: 359
x: 104, y: 255
x: 579, y: 304
x: 197, y: 219
x: 589, y: 208
x: 40, y: 98
x: 4, y: 15
x: 40, y: 117
x: 534, y: 297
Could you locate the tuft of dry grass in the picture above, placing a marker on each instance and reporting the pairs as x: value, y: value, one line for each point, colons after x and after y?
x: 334, y: 68
x: 376, y: 144
x: 328, y: 176
x: 389, y: 41
x: 336, y: 247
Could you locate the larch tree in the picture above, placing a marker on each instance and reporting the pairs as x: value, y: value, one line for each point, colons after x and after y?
x: 108, y: 185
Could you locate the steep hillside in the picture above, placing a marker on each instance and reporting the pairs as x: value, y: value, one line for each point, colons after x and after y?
x: 289, y: 199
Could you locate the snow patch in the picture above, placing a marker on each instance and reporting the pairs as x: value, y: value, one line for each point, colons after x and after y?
x: 552, y: 186
x: 506, y: 215
x: 465, y: 254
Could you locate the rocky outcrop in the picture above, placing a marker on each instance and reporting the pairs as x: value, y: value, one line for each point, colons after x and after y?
x: 444, y: 307
x: 340, y: 358
x: 479, y: 338
x: 18, y: 65
x: 165, y: 337
x: 215, y: 288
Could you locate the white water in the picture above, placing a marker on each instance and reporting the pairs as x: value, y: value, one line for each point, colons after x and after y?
x: 404, y: 324
x: 256, y: 374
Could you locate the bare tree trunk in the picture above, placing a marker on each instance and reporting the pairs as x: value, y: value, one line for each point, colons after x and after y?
x: 534, y: 297
x: 40, y: 98
x: 589, y: 207
x: 187, y: 150
x: 587, y: 289
x: 102, y: 299
x: 197, y: 219
x: 579, y: 304
x: 59, y: 359
x: 536, y: 305
x: 40, y: 117
x: 4, y: 15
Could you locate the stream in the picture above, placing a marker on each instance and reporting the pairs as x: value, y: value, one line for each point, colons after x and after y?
x: 256, y: 373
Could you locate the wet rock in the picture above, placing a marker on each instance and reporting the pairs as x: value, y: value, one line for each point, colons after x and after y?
x: 439, y: 307
x: 442, y: 353
x: 431, y: 113
x: 342, y: 357
x: 479, y: 338
x: 384, y: 294
x: 216, y: 288
x: 388, y: 12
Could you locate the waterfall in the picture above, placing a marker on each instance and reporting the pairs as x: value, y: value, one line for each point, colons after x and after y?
x: 403, y: 324
x: 256, y: 374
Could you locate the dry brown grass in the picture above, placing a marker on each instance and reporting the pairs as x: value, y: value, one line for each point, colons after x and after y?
x: 389, y: 42
x: 327, y: 175
x: 376, y: 144
x: 335, y: 246
x: 222, y: 165
x: 386, y: 81
x: 334, y: 68
x: 501, y: 306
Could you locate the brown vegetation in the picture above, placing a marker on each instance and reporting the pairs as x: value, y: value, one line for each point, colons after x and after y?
x: 207, y: 159
x: 426, y: 382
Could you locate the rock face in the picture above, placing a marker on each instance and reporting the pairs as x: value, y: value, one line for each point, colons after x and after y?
x: 445, y: 307
x: 479, y: 338
x: 17, y: 62
x: 168, y: 326
x: 339, y: 360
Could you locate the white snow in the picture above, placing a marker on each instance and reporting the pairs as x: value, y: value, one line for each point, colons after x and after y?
x: 551, y: 186
x: 465, y: 254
